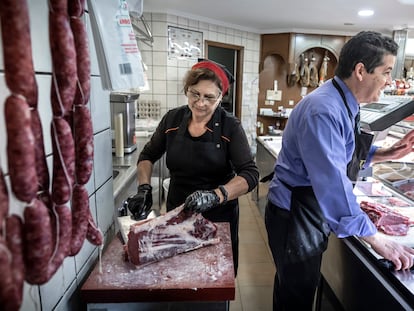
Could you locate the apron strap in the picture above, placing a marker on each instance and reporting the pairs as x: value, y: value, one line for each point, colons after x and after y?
x: 357, y: 117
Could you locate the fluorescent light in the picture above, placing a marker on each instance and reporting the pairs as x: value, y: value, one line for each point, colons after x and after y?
x: 365, y: 13
x: 407, y: 2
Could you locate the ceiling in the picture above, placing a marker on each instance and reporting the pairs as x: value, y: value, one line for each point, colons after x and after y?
x: 274, y: 16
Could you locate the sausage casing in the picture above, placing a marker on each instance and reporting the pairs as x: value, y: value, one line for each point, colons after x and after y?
x: 20, y: 148
x: 83, y: 61
x: 4, y: 200
x: 80, y: 217
x: 83, y: 144
x: 17, y: 49
x: 14, y: 239
x: 64, y: 72
x: 37, y: 237
x: 63, y: 161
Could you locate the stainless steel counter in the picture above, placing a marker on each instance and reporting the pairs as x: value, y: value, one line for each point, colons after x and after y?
x: 268, y: 148
x: 352, y: 272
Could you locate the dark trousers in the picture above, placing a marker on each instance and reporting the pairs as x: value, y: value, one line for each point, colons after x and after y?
x: 228, y: 213
x: 295, y: 282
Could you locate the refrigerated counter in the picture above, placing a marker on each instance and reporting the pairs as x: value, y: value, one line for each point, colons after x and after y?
x: 352, y: 271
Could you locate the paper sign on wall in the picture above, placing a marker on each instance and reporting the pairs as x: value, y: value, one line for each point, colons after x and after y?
x: 119, y: 57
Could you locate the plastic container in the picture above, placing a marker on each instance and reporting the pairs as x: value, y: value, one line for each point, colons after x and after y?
x: 165, y: 186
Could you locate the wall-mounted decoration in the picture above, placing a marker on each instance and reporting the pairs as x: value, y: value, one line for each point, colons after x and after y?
x: 184, y: 43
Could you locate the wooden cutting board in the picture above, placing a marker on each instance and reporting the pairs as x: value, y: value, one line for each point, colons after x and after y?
x: 205, y: 274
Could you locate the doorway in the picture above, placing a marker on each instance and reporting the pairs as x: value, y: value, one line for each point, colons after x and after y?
x: 230, y: 56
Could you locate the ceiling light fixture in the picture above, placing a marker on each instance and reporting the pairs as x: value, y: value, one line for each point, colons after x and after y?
x: 365, y: 13
x: 409, y: 2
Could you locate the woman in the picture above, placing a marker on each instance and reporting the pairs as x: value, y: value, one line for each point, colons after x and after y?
x: 207, y: 153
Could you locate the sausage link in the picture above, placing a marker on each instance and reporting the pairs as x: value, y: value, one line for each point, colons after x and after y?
x: 94, y: 234
x: 9, y: 300
x: 83, y: 61
x: 80, y: 208
x: 17, y: 49
x: 63, y: 161
x: 14, y: 239
x: 76, y: 8
x: 61, y: 235
x: 64, y: 75
x: 41, y: 164
x: 20, y: 148
x: 83, y: 144
x: 4, y: 200
x: 58, y: 6
x: 37, y: 237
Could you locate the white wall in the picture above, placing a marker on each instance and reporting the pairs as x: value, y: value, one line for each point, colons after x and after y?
x: 61, y: 292
x: 165, y: 75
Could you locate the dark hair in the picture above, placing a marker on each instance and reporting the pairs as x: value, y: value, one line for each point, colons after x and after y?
x: 367, y: 47
x: 196, y: 75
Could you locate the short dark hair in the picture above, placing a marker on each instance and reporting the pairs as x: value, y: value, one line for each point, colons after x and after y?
x: 196, y: 75
x: 367, y: 47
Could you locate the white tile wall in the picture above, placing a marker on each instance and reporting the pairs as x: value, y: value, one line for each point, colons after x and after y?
x: 102, y: 157
x: 169, y: 90
x: 105, y: 206
x: 100, y: 109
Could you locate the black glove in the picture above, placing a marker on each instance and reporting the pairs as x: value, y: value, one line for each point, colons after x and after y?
x: 140, y: 204
x: 201, y: 201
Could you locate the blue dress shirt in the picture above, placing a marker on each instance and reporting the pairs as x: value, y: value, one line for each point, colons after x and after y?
x: 318, y: 143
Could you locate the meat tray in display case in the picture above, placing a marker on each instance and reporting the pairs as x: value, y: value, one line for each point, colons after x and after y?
x: 399, y: 176
x: 352, y: 272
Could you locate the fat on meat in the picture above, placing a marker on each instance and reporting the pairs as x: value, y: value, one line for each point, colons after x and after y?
x: 385, y: 219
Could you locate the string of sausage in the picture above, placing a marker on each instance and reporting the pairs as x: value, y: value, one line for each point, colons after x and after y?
x: 11, y: 254
x: 21, y: 148
x: 83, y: 224
x: 28, y: 171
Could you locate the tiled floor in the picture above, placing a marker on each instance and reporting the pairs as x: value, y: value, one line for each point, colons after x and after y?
x: 254, y: 282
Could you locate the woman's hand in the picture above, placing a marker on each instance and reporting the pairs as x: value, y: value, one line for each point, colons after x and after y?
x: 201, y: 201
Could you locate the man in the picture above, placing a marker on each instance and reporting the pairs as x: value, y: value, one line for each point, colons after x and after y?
x: 311, y: 193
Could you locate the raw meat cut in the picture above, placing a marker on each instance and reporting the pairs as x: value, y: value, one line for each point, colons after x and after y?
x: 176, y: 232
x: 385, y: 219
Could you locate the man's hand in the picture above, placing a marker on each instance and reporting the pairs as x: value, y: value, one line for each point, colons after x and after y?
x: 201, y: 201
x: 401, y: 256
x: 398, y: 150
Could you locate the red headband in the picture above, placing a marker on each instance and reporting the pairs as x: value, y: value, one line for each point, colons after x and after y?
x: 217, y: 70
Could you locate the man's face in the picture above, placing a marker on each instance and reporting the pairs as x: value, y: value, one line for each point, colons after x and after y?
x: 374, y: 83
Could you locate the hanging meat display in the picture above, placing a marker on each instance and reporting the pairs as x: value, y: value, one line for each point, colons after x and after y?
x: 323, y: 71
x: 313, y: 72
x: 34, y: 245
x: 304, y: 71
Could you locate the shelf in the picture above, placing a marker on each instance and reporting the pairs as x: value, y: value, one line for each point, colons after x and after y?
x: 277, y: 117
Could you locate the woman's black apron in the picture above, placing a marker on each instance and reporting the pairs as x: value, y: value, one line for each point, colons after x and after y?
x: 308, y: 229
x: 206, y: 167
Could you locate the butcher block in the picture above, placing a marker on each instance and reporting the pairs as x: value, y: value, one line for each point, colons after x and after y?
x: 205, y: 274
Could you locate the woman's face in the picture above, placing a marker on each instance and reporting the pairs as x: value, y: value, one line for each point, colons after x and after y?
x: 374, y: 83
x: 203, y: 99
